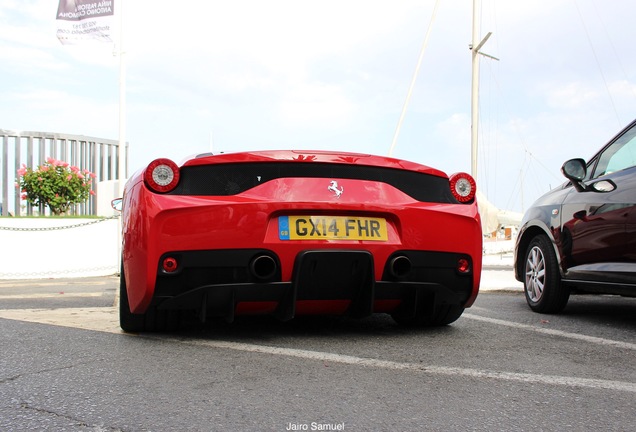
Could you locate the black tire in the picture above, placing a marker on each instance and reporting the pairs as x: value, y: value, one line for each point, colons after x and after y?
x: 542, y: 279
x: 152, y: 321
x: 128, y: 321
x: 442, y: 315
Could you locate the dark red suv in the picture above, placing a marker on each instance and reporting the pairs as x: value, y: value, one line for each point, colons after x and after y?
x: 581, y: 236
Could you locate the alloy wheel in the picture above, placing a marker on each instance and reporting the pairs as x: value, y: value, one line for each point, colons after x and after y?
x: 535, y: 274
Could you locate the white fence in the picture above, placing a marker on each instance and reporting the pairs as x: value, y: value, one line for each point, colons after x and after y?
x: 99, y: 156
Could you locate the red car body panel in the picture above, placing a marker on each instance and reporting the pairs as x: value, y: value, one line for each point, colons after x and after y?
x: 313, y: 156
x: 155, y: 224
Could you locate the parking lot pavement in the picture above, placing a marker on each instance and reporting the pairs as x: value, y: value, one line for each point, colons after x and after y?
x: 69, y: 285
x: 497, y: 273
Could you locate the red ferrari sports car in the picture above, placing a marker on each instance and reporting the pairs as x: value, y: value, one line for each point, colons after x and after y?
x: 290, y: 233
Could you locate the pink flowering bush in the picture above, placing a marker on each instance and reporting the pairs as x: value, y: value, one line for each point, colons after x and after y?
x: 55, y: 184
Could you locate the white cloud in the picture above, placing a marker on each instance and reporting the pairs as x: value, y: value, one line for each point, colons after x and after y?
x: 574, y: 95
x: 315, y: 105
x: 59, y: 111
x: 28, y: 60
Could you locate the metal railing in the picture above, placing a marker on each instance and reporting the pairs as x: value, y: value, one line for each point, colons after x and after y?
x: 98, y: 155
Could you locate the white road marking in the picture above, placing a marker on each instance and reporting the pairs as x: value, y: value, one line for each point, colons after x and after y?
x: 102, y: 319
x: 49, y: 295
x: 106, y: 320
x: 577, y: 336
x: 437, y: 370
x: 31, y: 284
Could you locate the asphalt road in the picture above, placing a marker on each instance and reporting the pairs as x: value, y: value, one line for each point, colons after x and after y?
x: 65, y: 366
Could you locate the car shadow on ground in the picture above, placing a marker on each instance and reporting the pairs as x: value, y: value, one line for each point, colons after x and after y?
x: 263, y: 328
x: 612, y: 310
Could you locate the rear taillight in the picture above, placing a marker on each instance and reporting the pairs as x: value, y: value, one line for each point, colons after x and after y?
x: 463, y: 187
x: 463, y: 266
x: 170, y: 265
x: 162, y: 175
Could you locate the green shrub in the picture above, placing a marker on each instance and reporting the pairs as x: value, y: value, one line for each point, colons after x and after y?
x: 56, y: 185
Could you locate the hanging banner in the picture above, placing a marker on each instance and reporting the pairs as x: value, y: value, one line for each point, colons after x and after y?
x: 82, y: 21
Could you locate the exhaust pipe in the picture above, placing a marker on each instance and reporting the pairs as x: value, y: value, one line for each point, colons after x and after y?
x: 400, y: 266
x: 263, y: 267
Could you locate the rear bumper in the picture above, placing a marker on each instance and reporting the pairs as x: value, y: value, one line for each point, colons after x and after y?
x: 216, y: 239
x: 225, y: 283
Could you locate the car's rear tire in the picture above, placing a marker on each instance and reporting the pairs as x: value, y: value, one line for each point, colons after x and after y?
x: 128, y: 321
x: 152, y: 320
x: 442, y: 315
x: 542, y: 280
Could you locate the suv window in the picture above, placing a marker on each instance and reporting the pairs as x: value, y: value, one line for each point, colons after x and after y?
x: 618, y: 156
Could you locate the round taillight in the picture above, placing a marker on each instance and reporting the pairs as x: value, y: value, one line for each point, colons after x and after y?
x: 162, y: 175
x: 463, y: 187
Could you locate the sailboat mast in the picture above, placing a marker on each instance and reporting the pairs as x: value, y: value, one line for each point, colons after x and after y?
x: 474, y: 99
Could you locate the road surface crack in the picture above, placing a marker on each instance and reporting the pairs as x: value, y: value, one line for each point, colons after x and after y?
x: 76, y: 421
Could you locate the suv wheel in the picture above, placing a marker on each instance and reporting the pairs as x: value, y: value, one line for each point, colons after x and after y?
x: 542, y: 281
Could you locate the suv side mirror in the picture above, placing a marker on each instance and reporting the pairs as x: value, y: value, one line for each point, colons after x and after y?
x: 575, y: 170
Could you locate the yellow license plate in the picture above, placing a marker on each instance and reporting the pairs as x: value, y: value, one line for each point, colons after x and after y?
x: 331, y: 228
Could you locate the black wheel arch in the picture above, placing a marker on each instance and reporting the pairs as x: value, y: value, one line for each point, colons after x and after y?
x: 526, y: 235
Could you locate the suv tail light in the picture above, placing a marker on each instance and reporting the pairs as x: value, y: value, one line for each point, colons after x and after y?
x: 162, y: 175
x: 463, y: 187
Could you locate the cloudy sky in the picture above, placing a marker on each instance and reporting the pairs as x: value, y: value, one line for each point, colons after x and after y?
x: 249, y: 74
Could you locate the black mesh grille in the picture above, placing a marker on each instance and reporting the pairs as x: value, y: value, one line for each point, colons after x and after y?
x: 232, y: 179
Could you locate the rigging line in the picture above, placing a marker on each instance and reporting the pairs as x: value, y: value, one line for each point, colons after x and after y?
x: 524, y: 172
x: 415, y: 74
x: 516, y: 128
x: 518, y: 180
x: 618, y: 59
x: 486, y: 151
x: 491, y: 181
x: 526, y: 166
x: 598, y: 64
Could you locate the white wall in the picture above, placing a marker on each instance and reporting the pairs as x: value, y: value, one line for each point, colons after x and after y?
x: 36, y: 248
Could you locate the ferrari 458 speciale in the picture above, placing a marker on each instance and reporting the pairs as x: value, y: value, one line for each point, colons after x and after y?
x: 289, y: 233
